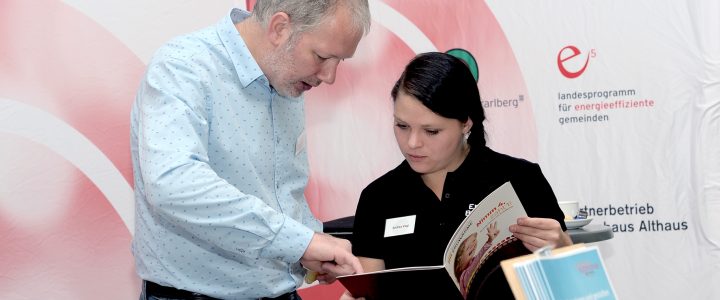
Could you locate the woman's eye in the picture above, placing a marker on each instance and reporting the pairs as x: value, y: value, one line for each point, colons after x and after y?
x: 401, y: 126
x: 432, y: 131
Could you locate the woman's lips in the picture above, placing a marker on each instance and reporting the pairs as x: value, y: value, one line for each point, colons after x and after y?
x: 415, y: 158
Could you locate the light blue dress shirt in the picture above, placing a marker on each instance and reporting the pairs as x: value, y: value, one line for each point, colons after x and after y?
x: 220, y: 171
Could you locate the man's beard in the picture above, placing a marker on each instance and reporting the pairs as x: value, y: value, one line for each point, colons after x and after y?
x: 280, y: 64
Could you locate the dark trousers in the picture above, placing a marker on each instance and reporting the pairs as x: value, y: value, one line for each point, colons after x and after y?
x: 154, y: 291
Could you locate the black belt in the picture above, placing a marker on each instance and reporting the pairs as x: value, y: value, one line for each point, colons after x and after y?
x: 154, y: 289
x: 160, y: 291
x: 287, y: 296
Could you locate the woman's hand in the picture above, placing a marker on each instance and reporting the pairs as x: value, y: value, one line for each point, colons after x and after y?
x: 369, y: 265
x: 536, y: 233
x: 347, y: 296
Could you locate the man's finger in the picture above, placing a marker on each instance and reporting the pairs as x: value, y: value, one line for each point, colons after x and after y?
x: 338, y: 269
x: 313, y: 265
x: 351, y: 260
x: 326, y: 278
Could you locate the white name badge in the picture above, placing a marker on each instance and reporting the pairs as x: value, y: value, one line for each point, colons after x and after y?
x: 399, y: 226
x: 300, y: 143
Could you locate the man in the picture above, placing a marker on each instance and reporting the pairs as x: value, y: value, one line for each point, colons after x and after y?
x: 218, y: 153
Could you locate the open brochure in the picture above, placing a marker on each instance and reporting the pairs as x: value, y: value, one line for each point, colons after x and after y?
x: 474, y: 252
x: 572, y: 272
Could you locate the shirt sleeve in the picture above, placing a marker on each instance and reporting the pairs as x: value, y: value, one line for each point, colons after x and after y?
x: 484, y: 248
x: 368, y: 228
x: 470, y: 270
x: 537, y: 195
x: 180, y: 185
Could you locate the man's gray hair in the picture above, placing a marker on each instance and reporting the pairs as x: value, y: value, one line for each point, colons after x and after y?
x: 307, y: 14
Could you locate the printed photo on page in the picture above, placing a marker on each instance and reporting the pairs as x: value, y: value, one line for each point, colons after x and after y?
x: 483, y: 233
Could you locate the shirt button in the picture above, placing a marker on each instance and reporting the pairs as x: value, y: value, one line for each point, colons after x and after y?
x: 447, y: 195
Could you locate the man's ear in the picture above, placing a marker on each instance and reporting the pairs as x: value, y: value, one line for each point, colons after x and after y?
x: 279, y: 29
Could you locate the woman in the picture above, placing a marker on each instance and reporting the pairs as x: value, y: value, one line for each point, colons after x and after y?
x: 447, y: 170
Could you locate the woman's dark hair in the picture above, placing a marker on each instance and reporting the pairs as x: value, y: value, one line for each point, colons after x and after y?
x: 445, y: 85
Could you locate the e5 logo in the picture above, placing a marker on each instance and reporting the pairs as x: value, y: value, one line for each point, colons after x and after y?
x: 574, y: 51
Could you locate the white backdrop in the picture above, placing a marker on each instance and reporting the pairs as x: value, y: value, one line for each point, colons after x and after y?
x: 618, y: 101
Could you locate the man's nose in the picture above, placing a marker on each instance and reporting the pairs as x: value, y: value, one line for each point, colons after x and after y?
x: 328, y: 71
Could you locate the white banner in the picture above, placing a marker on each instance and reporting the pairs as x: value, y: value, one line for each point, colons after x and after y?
x: 618, y: 101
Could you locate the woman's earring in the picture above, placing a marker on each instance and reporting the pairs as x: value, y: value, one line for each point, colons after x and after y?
x: 466, y: 136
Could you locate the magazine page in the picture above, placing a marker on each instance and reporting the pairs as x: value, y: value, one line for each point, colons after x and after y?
x: 483, y: 233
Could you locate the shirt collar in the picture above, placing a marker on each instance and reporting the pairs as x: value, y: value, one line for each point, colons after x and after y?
x: 245, y: 65
x: 474, y: 154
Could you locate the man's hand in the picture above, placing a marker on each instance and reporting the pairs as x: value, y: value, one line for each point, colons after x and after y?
x: 536, y: 233
x: 330, y: 257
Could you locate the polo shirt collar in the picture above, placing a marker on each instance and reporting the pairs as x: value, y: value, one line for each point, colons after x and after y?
x: 475, y: 160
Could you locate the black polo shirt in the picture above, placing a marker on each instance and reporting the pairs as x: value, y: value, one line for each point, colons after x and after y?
x: 401, y: 192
